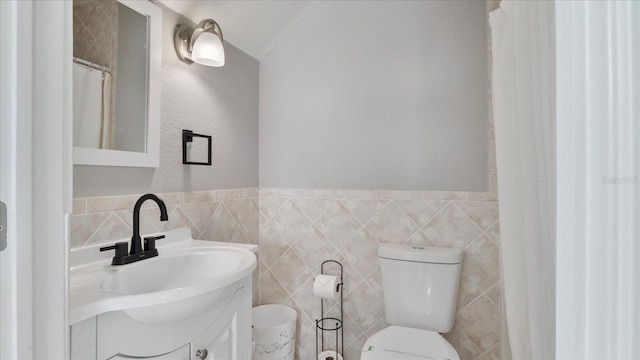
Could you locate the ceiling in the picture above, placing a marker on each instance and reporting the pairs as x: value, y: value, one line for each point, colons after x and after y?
x: 254, y: 27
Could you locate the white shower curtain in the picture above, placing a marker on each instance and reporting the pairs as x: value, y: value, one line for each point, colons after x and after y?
x: 91, y: 108
x: 524, y: 116
x: 598, y: 244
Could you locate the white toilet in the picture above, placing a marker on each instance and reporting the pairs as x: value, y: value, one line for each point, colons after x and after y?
x: 420, y: 286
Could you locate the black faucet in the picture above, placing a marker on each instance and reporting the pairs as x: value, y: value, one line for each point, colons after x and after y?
x: 136, y: 247
x: 122, y: 256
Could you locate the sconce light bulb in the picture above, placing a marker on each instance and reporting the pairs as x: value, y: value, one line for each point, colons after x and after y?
x: 208, y: 50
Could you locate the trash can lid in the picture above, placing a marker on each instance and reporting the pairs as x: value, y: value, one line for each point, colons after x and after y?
x: 266, y: 316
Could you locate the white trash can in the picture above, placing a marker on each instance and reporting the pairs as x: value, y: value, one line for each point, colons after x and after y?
x: 274, y: 332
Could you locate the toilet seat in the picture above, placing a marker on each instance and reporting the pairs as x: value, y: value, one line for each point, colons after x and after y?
x: 403, y: 343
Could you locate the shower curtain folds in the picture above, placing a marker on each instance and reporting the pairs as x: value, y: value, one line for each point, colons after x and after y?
x: 91, y: 106
x: 524, y: 118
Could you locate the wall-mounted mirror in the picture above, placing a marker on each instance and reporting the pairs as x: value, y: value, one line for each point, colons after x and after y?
x: 116, y: 81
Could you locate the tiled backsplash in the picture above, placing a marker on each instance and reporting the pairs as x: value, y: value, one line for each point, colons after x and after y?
x: 301, y: 228
x: 224, y: 215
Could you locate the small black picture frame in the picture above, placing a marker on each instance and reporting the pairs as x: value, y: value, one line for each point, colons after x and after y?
x: 187, y: 137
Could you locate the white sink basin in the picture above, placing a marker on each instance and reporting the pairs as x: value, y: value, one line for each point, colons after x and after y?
x: 185, y: 279
x: 191, y: 269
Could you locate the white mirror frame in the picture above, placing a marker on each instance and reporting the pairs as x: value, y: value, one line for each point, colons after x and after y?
x: 150, y: 158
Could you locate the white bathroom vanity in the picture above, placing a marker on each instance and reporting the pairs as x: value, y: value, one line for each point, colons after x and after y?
x: 193, y: 301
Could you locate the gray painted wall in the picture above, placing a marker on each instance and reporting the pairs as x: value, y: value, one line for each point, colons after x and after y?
x: 222, y: 102
x: 380, y: 95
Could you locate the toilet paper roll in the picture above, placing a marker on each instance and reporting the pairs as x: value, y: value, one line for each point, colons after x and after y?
x: 329, y: 355
x: 326, y: 287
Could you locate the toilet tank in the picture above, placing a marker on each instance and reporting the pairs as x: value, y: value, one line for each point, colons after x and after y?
x: 420, y: 285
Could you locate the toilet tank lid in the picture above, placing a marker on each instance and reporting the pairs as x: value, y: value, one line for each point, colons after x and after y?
x: 420, y: 253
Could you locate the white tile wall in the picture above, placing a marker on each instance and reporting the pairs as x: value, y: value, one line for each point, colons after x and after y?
x: 298, y: 229
x: 301, y: 228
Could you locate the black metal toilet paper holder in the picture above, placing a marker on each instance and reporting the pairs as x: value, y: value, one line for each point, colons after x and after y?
x: 330, y: 324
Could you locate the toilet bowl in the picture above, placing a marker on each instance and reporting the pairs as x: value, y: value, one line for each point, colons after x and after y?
x: 403, y: 343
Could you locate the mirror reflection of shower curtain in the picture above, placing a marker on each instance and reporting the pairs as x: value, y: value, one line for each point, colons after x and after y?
x: 91, y: 108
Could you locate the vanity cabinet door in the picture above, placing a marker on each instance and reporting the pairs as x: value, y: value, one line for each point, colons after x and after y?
x: 221, y: 346
x: 181, y: 354
x: 83, y: 344
x: 83, y: 340
x: 223, y: 339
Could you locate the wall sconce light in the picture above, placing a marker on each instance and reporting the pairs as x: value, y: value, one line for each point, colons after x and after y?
x: 202, y: 44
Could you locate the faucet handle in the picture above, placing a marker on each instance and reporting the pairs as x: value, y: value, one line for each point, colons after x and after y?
x: 150, y: 242
x: 121, y: 248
